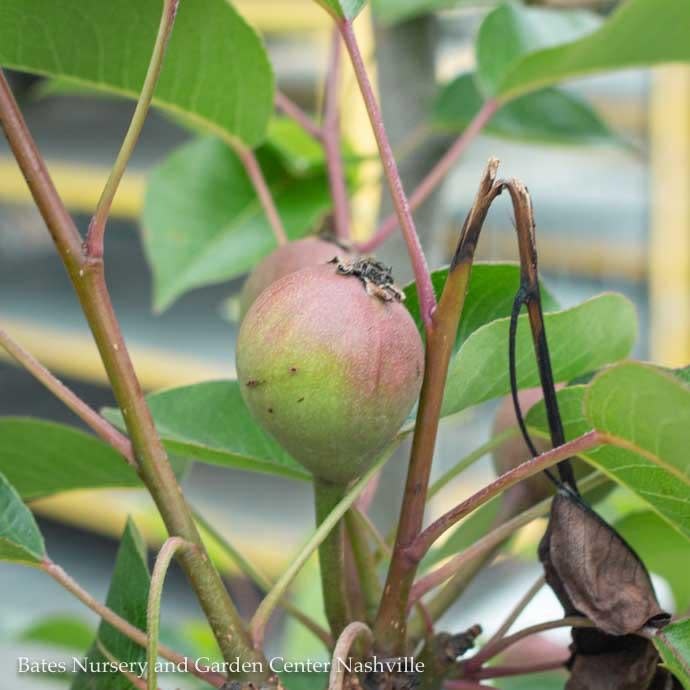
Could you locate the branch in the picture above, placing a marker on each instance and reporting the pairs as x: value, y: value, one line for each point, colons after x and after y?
x: 427, y: 298
x: 94, y: 239
x: 90, y: 417
x: 88, y: 278
x: 331, y: 144
x: 390, y: 621
x: 342, y: 651
x: 293, y: 111
x: 124, y: 626
x: 153, y: 609
x: 256, y: 176
x: 436, y: 175
x: 538, y: 464
x: 121, y: 667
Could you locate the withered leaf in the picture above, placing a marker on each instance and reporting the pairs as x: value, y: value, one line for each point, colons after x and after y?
x: 631, y: 668
x: 601, y: 577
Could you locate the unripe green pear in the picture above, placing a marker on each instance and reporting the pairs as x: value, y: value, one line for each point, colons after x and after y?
x: 330, y: 363
x: 288, y: 258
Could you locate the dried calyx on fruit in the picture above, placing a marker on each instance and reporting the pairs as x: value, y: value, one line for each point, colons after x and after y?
x: 330, y: 364
x: 288, y: 258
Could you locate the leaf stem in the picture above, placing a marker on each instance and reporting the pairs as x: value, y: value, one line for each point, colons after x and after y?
x: 89, y: 416
x: 357, y: 530
x: 153, y: 610
x: 517, y: 610
x: 88, y: 278
x: 293, y: 111
x: 256, y: 176
x: 427, y: 298
x: 436, y: 175
x: 489, y: 652
x: 263, y: 613
x: 331, y: 142
x: 582, y: 444
x: 342, y: 651
x: 94, y: 239
x: 261, y: 581
x: 121, y: 668
x: 124, y: 626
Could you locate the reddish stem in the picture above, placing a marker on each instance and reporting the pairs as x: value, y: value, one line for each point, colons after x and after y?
x: 427, y: 298
x: 436, y: 175
x: 331, y: 143
x: 293, y: 111
x: 464, y: 685
x: 251, y: 165
x: 425, y: 540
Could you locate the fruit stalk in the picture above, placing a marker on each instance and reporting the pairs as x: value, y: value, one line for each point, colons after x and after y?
x: 332, y: 557
x: 88, y: 278
x: 427, y: 298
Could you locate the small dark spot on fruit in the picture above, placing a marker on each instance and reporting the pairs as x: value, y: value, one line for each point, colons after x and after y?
x: 293, y: 370
x: 270, y: 410
x: 300, y: 400
x: 253, y: 383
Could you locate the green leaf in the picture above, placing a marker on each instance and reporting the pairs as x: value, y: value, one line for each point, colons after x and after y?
x: 661, y: 548
x: 641, y: 414
x: 394, y: 11
x: 127, y: 596
x: 298, y: 149
x: 549, y: 116
x: 210, y: 422
x: 216, y: 71
x: 490, y: 296
x: 646, y: 410
x: 65, y: 632
x: 512, y: 31
x: 43, y: 458
x: 203, y: 223
x: 597, y: 332
x: 20, y: 539
x: 673, y: 643
x: 343, y: 9
x: 639, y: 33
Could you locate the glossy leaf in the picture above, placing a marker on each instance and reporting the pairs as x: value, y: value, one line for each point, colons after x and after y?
x: 20, y: 539
x: 42, y: 458
x: 657, y: 479
x: 614, y: 45
x: 343, y: 9
x: 673, y: 643
x: 549, y: 116
x: 216, y: 72
x: 203, y: 223
x: 648, y: 411
x: 490, y: 296
x: 540, y: 681
x: 599, y: 331
x: 210, y: 422
x: 512, y: 31
x: 661, y: 548
x: 127, y: 596
x: 65, y: 632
